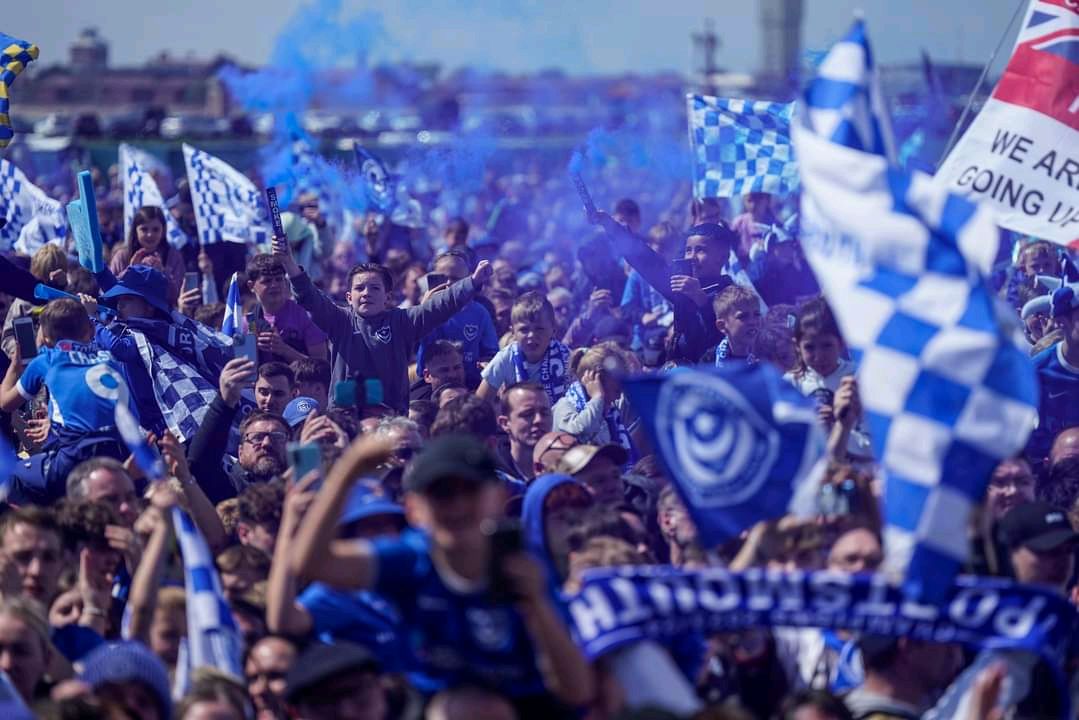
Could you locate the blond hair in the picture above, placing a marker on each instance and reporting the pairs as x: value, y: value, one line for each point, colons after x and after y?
x: 48, y: 259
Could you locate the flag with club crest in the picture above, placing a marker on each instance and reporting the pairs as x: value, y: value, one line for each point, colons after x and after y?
x: 945, y: 393
x: 228, y: 206
x: 141, y: 190
x: 740, y: 146
x: 15, y: 55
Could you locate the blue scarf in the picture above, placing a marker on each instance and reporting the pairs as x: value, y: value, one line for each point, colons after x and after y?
x: 625, y: 605
x: 553, y: 373
x: 615, y: 426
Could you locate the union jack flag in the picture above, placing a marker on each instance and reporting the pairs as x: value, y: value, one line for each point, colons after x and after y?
x: 1043, y: 73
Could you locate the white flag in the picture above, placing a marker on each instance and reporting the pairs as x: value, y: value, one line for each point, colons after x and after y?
x: 25, y: 206
x: 1021, y: 154
x: 228, y: 206
x: 141, y: 190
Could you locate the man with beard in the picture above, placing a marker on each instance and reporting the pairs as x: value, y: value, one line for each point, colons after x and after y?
x: 525, y: 418
x: 263, y: 436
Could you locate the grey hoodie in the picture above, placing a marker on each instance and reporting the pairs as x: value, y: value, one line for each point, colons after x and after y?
x: 382, y: 346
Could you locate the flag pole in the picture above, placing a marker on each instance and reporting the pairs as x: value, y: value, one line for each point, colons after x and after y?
x: 978, y: 86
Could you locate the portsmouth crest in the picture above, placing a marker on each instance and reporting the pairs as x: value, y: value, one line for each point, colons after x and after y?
x: 384, y: 334
x: 471, y: 332
x: 723, y: 448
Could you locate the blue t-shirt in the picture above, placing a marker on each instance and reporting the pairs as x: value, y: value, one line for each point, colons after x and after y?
x: 1059, y: 406
x: 361, y: 617
x: 84, y: 384
x: 457, y: 637
x: 473, y: 327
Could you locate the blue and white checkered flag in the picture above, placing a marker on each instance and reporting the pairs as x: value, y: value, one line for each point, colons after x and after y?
x: 233, y: 323
x: 228, y: 206
x: 904, y: 264
x: 740, y: 146
x: 25, y: 206
x: 140, y: 190
x: 213, y: 639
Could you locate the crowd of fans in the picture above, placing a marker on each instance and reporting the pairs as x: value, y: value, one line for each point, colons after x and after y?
x: 461, y: 378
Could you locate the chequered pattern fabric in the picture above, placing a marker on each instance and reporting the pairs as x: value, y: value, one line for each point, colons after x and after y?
x: 183, y: 395
x: 15, y: 55
x: 140, y: 190
x: 228, y: 206
x: 213, y: 640
x: 22, y: 202
x: 945, y: 393
x: 740, y: 146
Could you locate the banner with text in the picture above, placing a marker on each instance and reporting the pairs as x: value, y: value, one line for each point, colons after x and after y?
x: 1021, y: 154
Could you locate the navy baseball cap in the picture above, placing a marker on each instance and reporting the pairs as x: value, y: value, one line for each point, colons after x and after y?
x: 298, y: 409
x: 363, y: 503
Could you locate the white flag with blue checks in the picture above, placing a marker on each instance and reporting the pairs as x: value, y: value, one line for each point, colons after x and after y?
x: 228, y: 206
x: 140, y: 190
x: 26, y: 206
x: 903, y: 264
x: 213, y: 639
x: 740, y: 146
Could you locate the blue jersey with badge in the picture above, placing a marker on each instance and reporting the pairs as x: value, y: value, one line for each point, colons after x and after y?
x: 1059, y: 406
x: 457, y: 637
x: 473, y: 327
x: 84, y: 384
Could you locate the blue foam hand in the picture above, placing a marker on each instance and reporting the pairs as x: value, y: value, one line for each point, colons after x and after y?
x: 45, y: 292
x: 82, y: 215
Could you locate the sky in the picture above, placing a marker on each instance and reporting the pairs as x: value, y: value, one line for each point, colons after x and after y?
x: 578, y: 36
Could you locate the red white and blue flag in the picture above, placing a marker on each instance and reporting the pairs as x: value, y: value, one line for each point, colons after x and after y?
x: 1021, y: 154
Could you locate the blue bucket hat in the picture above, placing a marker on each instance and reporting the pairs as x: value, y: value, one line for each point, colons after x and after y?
x: 363, y: 503
x: 129, y: 661
x: 298, y: 409
x: 141, y: 281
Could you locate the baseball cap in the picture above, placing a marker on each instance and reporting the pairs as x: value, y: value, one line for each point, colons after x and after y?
x: 321, y: 662
x: 577, y: 458
x: 457, y: 456
x: 363, y: 503
x: 128, y: 661
x: 298, y: 409
x: 1037, y: 526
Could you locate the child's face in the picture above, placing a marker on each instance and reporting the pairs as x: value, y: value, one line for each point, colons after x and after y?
x: 1039, y: 260
x: 367, y: 296
x: 534, y: 336
x: 132, y: 306
x: 166, y: 630
x: 270, y: 289
x: 820, y: 351
x: 708, y: 258
x: 149, y: 234
x: 742, y: 324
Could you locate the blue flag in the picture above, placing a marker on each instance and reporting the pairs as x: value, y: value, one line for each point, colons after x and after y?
x: 233, y: 322
x: 904, y: 265
x: 738, y: 442
x: 740, y: 146
x: 380, y: 186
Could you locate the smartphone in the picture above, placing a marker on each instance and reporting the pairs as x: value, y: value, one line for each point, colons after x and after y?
x: 249, y: 348
x: 506, y: 539
x: 26, y: 336
x: 435, y: 279
x: 303, y: 458
x: 682, y: 266
x: 275, y: 213
x: 256, y: 321
x: 372, y: 392
x: 344, y: 394
x: 191, y: 281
